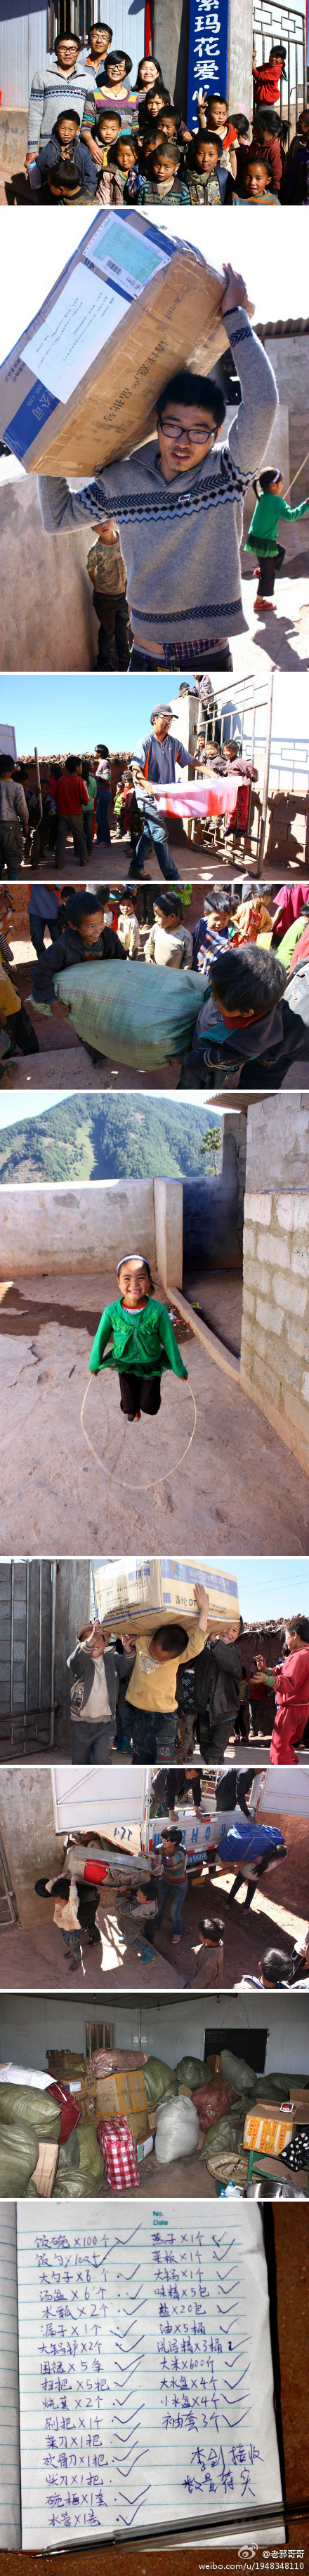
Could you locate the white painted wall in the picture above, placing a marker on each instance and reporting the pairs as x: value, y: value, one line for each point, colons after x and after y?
x: 29, y: 2024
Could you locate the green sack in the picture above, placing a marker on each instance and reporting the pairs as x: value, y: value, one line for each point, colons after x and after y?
x: 69, y: 2154
x: 141, y: 1019
x: 223, y: 2130
x: 192, y: 2071
x: 19, y: 2148
x: 90, y: 2159
x: 237, y: 2071
x: 77, y: 2186
x: 22, y: 2102
x: 159, y: 2080
x: 272, y: 2088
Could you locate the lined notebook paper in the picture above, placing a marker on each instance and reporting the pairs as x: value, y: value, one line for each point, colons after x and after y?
x: 145, y: 2372
x: 10, y: 2524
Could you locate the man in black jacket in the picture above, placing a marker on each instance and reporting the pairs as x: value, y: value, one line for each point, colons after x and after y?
x: 93, y: 1664
x: 217, y: 1677
x: 83, y: 940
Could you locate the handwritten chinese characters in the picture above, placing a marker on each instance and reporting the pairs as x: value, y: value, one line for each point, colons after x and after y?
x: 145, y: 2369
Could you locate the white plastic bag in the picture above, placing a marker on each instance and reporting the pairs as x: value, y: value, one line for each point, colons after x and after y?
x: 177, y: 2131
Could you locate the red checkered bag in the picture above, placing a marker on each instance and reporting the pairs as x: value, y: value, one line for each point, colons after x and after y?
x: 119, y: 2153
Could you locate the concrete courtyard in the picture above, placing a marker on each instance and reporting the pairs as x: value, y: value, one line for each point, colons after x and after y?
x: 229, y: 1482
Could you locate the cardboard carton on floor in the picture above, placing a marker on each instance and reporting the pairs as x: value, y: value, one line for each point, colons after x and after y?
x: 81, y: 385
x: 140, y: 1585
x: 268, y: 2135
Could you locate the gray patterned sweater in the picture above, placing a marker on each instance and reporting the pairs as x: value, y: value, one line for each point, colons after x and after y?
x: 181, y: 540
x: 52, y: 94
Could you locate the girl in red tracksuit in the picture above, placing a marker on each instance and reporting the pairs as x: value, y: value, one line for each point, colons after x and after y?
x: 292, y: 1694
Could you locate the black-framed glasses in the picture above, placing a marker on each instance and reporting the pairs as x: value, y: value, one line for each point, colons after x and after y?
x: 195, y: 437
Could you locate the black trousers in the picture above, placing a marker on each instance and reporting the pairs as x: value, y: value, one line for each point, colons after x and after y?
x: 112, y: 611
x: 269, y: 565
x: 22, y: 1033
x: 139, y: 1394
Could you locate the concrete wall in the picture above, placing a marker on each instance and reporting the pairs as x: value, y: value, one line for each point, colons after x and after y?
x: 47, y: 618
x: 168, y: 1207
x: 274, y: 1365
x: 32, y: 1847
x: 290, y: 359
x: 70, y: 1231
x: 30, y: 2025
x: 74, y: 1230
x: 73, y: 1587
x: 239, y: 78
x: 213, y: 1209
x: 278, y: 1142
x: 170, y: 44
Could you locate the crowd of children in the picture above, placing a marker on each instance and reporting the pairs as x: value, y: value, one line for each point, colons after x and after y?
x: 250, y: 954
x: 95, y: 133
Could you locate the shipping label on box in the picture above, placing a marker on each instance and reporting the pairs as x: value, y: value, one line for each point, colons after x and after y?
x: 268, y: 2135
x: 82, y: 384
x: 140, y: 1585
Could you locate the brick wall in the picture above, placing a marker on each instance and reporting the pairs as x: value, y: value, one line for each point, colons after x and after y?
x: 275, y: 1331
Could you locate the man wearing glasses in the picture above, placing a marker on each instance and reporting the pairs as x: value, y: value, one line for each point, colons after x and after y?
x: 178, y: 502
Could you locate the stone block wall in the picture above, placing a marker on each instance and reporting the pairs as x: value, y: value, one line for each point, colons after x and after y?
x: 275, y: 1331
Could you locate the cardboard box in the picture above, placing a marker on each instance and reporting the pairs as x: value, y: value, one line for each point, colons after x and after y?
x: 46, y: 2168
x: 81, y: 385
x: 137, y: 1586
x: 116, y: 2093
x: 126, y: 2094
x: 269, y: 2135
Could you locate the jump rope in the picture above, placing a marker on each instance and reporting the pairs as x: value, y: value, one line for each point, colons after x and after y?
x: 153, y: 1481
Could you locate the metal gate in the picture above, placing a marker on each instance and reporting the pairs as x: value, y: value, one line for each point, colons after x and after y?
x: 8, y: 1907
x: 28, y: 36
x: 271, y: 21
x: 239, y: 715
x: 74, y: 17
x: 27, y: 1671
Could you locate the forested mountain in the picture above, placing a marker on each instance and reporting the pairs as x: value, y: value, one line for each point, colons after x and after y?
x: 100, y: 1137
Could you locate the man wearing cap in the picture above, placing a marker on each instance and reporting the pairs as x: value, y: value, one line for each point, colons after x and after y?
x: 154, y: 762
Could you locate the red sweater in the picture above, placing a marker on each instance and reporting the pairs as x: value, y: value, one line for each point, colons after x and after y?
x: 71, y: 793
x: 267, y: 84
x: 292, y: 1683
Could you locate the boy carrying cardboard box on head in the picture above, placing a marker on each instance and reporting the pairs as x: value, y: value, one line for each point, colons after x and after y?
x: 177, y: 500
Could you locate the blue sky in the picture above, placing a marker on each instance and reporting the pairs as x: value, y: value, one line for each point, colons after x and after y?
x: 270, y: 1586
x: 22, y: 1107
x: 72, y: 712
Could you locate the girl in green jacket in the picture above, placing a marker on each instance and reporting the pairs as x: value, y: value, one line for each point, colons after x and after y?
x: 142, y: 1339
x: 263, y: 533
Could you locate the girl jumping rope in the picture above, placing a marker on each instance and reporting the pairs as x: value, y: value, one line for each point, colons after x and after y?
x: 262, y: 539
x: 141, y: 1337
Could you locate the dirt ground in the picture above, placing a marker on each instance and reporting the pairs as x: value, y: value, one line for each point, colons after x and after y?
x: 195, y: 862
x: 206, y: 1468
x: 129, y: 1961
